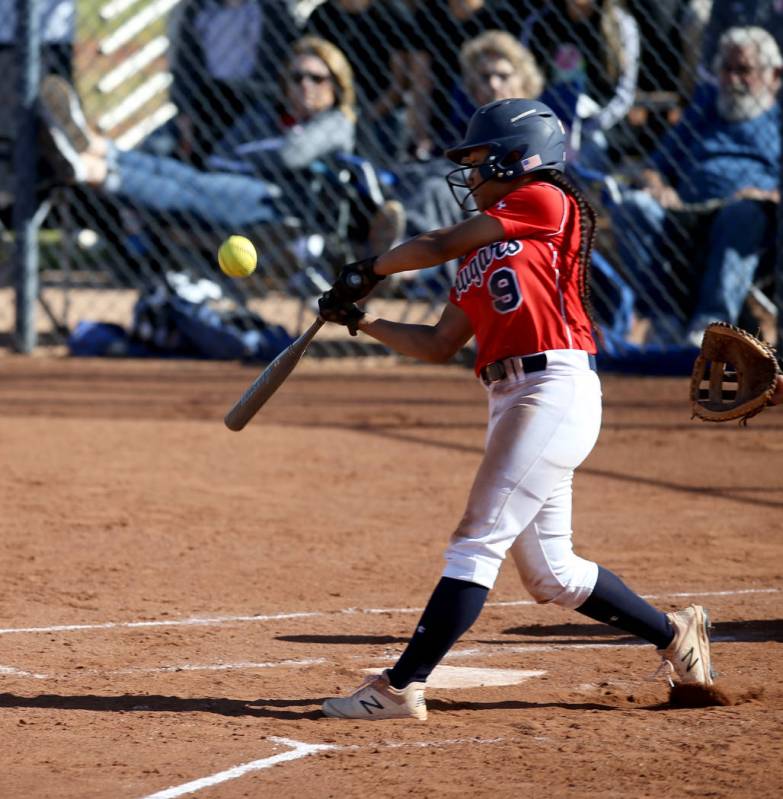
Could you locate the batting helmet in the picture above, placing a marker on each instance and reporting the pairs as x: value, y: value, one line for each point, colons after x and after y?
x: 523, y: 136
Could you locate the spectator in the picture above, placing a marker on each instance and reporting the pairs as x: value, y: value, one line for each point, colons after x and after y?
x: 439, y: 108
x: 691, y: 237
x: 375, y: 37
x: 494, y: 66
x: 225, y: 52
x: 725, y: 14
x: 589, y: 50
x: 268, y: 175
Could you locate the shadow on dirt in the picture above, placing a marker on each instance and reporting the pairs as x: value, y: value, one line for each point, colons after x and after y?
x: 750, y: 631
x: 269, y: 708
x: 515, y: 704
x: 746, y: 495
x: 141, y: 703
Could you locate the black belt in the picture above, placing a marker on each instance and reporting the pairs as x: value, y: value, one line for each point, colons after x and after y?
x: 499, y: 370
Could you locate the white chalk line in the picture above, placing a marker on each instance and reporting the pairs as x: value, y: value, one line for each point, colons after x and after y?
x: 299, y: 750
x: 249, y: 665
x: 455, y: 654
x: 20, y: 673
x: 243, y: 665
x: 220, y: 620
x: 193, y: 621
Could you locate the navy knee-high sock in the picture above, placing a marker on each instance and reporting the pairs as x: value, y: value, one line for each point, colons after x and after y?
x: 613, y: 602
x: 452, y: 609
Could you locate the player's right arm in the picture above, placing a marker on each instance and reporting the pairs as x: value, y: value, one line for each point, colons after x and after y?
x: 434, y: 343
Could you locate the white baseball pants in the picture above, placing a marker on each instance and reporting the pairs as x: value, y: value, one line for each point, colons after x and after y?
x: 542, y: 425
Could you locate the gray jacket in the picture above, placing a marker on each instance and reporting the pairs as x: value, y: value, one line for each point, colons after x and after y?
x: 278, y: 150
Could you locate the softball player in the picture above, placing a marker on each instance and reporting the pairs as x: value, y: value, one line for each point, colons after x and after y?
x: 522, y: 291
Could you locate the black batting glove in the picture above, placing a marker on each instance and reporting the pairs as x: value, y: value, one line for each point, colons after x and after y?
x: 333, y: 309
x: 357, y: 280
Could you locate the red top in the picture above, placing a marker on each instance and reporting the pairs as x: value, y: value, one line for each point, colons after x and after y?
x: 521, y: 294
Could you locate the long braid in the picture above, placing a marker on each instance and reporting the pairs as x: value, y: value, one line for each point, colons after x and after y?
x: 587, y: 231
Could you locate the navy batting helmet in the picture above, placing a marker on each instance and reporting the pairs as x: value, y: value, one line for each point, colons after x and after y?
x: 523, y: 136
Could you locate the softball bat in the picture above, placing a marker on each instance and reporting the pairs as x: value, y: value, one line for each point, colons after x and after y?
x: 265, y: 385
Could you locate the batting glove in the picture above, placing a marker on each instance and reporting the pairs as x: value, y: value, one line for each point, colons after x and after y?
x: 334, y: 309
x: 357, y: 280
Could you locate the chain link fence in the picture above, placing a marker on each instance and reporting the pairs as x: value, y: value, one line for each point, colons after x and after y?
x: 316, y: 129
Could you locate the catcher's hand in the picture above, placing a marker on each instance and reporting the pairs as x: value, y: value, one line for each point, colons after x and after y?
x: 333, y: 309
x: 734, y: 376
x: 357, y: 280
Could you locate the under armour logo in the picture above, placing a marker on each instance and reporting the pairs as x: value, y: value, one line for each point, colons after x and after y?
x: 501, y: 205
x: 420, y: 628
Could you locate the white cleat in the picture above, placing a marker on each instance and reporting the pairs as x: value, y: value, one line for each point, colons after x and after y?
x: 688, y: 655
x: 376, y: 699
x: 63, y: 111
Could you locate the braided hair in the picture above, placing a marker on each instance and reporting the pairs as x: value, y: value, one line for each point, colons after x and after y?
x: 587, y: 230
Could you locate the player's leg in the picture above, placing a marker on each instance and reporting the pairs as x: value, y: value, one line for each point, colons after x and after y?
x: 537, y: 434
x: 552, y: 572
x: 399, y: 692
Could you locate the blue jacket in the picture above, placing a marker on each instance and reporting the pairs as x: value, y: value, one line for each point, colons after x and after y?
x: 708, y: 157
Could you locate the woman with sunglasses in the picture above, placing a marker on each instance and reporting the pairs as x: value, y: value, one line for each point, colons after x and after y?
x: 258, y: 174
x: 523, y: 292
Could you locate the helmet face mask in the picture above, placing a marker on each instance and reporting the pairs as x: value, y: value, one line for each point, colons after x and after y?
x: 494, y: 167
x: 461, y: 191
x: 521, y: 136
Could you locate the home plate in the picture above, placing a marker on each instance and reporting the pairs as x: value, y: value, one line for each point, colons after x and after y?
x: 463, y: 677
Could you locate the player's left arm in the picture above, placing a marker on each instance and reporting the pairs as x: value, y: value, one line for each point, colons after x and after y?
x: 438, y: 246
x: 434, y: 343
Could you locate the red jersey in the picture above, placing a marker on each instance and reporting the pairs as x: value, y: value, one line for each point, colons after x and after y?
x: 521, y: 294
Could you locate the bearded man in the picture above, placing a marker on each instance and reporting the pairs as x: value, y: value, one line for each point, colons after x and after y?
x: 692, y: 234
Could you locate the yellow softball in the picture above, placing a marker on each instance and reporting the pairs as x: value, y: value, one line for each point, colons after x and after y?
x: 237, y: 256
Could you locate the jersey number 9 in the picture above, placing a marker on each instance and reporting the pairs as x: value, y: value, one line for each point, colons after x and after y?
x: 504, y: 288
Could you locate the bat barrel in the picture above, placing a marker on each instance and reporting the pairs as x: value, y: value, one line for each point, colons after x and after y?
x: 267, y: 383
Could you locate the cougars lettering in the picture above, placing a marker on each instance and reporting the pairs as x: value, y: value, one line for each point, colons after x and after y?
x: 472, y: 273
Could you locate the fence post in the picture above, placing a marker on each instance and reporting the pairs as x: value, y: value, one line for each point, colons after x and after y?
x: 778, y: 292
x: 24, y: 164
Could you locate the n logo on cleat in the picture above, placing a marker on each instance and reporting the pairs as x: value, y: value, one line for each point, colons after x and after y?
x: 689, y: 659
x: 370, y: 703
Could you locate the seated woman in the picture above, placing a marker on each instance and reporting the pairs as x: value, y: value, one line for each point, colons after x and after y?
x: 493, y: 66
x: 263, y: 170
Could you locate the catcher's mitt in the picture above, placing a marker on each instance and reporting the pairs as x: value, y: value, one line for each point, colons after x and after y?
x: 733, y: 376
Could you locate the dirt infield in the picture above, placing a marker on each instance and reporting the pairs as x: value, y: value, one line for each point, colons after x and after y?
x: 177, y: 599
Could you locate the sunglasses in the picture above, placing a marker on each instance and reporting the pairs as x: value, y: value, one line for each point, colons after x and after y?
x: 300, y: 77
